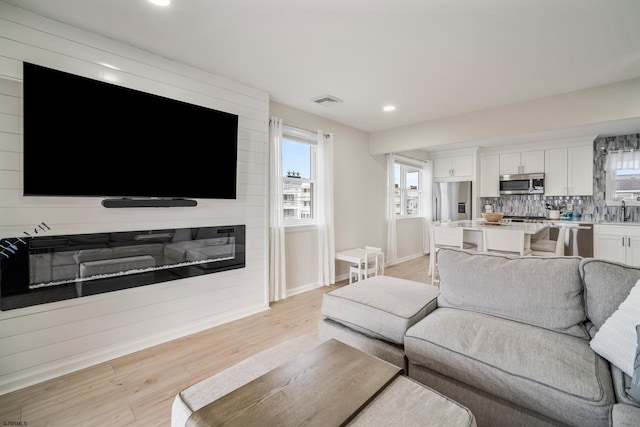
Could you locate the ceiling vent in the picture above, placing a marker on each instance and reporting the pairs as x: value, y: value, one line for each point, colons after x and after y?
x: 327, y: 100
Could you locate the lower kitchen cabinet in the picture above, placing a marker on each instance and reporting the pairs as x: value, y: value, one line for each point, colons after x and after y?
x: 619, y: 243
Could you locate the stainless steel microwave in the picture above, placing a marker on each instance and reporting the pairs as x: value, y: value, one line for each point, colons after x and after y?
x: 529, y: 183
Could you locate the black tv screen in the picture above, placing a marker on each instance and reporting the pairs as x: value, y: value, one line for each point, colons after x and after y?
x: 84, y: 137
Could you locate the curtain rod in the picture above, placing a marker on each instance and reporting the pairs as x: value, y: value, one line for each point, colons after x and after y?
x: 413, y: 159
x: 606, y: 150
x: 326, y: 135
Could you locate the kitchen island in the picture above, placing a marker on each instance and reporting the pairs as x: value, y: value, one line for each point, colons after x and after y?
x: 473, y: 229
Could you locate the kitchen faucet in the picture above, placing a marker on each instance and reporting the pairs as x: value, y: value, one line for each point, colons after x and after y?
x: 624, y: 212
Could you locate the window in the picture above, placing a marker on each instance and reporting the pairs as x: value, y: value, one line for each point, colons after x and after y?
x: 623, y: 178
x: 299, y: 176
x: 408, y: 191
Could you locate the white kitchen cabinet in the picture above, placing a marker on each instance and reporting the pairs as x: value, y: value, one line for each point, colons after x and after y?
x: 523, y: 162
x: 568, y: 171
x: 555, y: 172
x: 453, y: 167
x: 490, y: 176
x: 618, y: 243
x: 580, y: 170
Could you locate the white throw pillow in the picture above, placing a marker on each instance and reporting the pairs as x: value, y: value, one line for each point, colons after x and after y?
x: 616, y: 340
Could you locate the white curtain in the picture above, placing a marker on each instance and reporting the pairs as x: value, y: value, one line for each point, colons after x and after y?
x: 629, y: 159
x: 326, y: 243
x: 277, y: 265
x: 427, y: 198
x: 392, y: 248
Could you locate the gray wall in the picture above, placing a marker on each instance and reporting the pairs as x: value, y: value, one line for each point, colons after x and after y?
x: 359, y: 198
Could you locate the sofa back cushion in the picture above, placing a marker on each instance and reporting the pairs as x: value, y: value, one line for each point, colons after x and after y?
x: 607, y: 284
x: 541, y: 291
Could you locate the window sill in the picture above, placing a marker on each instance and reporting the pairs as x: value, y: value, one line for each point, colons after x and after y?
x: 300, y: 228
x: 409, y: 218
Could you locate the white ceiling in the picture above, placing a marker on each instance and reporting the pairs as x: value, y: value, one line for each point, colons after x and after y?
x: 431, y: 58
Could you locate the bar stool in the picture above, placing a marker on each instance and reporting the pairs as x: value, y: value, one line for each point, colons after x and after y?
x: 548, y: 247
x: 445, y: 237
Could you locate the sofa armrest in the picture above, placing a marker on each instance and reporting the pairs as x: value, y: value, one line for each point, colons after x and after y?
x: 620, y: 382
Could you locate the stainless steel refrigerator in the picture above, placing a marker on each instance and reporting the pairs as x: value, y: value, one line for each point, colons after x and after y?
x: 451, y: 201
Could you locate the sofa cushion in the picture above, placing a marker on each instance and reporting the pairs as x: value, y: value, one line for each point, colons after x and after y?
x: 540, y: 291
x: 545, y: 371
x: 381, y: 307
x: 606, y: 285
x: 625, y: 416
x: 406, y: 402
x: 385, y: 350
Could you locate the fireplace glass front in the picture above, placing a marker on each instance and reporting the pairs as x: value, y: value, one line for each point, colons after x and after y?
x: 52, y: 268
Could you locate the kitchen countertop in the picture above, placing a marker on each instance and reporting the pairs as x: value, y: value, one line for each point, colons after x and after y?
x: 528, y: 227
x: 616, y: 223
x: 594, y: 222
x: 578, y: 222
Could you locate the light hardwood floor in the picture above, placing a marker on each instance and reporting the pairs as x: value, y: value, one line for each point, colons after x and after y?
x: 138, y: 389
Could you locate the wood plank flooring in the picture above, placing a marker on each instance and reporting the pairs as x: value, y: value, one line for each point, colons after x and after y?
x: 138, y: 389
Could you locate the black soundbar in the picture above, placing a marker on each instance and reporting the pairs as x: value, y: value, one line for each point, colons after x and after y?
x: 148, y: 203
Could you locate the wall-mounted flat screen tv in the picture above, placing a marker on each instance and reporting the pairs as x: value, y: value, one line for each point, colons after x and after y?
x: 85, y: 137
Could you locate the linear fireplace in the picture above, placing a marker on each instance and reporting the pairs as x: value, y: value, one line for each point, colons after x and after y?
x: 54, y: 268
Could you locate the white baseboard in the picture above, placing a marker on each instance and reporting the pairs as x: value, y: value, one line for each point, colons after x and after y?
x: 342, y: 277
x: 19, y: 380
x: 409, y: 257
x: 302, y: 289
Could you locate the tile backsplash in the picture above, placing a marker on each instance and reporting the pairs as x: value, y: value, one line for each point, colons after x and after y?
x: 590, y: 208
x: 535, y: 205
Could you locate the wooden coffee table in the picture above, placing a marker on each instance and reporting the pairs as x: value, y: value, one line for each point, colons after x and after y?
x: 327, y: 385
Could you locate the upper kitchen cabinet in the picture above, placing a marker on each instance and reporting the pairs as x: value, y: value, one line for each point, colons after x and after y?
x: 445, y: 168
x: 490, y: 176
x: 523, y: 162
x: 569, y: 171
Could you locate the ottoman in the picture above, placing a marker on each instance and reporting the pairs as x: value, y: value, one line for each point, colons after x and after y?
x: 402, y: 402
x: 373, y: 315
x: 198, y: 395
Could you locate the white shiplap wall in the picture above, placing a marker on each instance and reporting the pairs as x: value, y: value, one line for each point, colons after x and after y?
x: 41, y: 342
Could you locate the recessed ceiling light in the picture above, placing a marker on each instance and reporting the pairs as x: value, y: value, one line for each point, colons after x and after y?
x: 160, y: 2
x: 389, y: 108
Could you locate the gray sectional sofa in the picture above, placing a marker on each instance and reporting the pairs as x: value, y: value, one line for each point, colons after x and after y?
x: 507, y: 337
